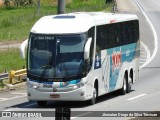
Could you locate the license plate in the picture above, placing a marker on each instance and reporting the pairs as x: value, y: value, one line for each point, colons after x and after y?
x: 54, y: 96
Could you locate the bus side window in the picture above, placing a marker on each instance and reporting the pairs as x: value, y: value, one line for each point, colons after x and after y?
x: 126, y: 33
x: 131, y: 32
x: 103, y: 37
x: 120, y: 33
x: 117, y: 34
x: 107, y: 37
x: 136, y: 30
x: 123, y: 33
x: 99, y: 38
x: 112, y: 35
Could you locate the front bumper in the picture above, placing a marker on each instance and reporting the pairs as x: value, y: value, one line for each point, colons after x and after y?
x: 74, y: 95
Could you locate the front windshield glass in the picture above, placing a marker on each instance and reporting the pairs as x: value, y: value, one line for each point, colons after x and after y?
x: 56, y: 56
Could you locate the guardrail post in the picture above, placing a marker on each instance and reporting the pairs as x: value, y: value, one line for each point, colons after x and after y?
x: 18, y: 73
x: 11, y: 75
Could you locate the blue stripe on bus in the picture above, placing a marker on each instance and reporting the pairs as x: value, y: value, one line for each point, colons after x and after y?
x: 74, y: 81
x: 128, y: 54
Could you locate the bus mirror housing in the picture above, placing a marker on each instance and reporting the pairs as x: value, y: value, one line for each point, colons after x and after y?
x: 87, y: 49
x: 23, y: 47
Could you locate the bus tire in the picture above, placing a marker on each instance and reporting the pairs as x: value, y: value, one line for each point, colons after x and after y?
x: 93, y: 100
x: 41, y: 103
x: 129, y: 86
x: 123, y: 90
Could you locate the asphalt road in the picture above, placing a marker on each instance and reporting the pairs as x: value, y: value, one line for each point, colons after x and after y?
x: 145, y: 93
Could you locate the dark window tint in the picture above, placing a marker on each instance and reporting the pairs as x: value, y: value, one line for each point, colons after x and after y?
x: 117, y: 34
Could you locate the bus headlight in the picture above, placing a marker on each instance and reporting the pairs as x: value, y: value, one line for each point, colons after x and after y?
x: 79, y: 85
x: 33, y: 86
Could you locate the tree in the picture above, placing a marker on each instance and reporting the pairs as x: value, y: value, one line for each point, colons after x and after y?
x: 38, y: 6
x: 6, y: 3
x: 61, y: 6
x: 18, y: 3
x: 109, y: 1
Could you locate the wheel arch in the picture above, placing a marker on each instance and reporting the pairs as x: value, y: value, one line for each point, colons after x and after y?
x: 126, y: 74
x: 131, y: 74
x: 96, y: 85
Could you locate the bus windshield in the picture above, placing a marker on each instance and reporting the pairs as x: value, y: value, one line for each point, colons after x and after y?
x: 56, y: 56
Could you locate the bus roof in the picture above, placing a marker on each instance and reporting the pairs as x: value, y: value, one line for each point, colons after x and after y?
x: 77, y: 22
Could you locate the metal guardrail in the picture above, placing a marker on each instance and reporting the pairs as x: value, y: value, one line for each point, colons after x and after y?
x: 4, y: 76
x: 12, y: 74
x: 17, y: 73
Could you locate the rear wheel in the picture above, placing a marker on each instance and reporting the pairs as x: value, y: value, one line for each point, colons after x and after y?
x: 123, y: 90
x: 41, y: 103
x: 129, y: 86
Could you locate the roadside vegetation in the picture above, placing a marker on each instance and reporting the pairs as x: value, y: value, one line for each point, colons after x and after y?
x: 17, y: 20
x: 2, y: 85
x: 10, y: 60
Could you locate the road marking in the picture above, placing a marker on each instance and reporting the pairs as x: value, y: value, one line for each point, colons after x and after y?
x: 73, y: 117
x: 30, y: 105
x: 136, y: 97
x: 148, y: 56
x: 143, y: 58
x: 19, y: 93
x: 7, y: 99
x: 10, y: 109
x: 154, y: 34
x: 142, y: 52
x: 81, y: 115
x: 141, y: 62
x: 2, y: 99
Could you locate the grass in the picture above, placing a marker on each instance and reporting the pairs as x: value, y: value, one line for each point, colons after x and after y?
x: 88, y: 5
x: 15, y: 23
x: 10, y: 60
x: 2, y: 85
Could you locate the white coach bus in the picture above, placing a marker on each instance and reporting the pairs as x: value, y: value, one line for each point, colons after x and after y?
x: 80, y: 56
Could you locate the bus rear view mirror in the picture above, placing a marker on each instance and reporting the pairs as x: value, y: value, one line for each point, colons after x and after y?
x: 23, y: 48
x: 87, y: 49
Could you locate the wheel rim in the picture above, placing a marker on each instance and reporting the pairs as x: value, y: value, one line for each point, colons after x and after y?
x: 93, y: 101
x: 94, y: 93
x: 124, y: 86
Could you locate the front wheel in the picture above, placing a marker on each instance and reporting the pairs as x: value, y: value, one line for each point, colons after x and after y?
x: 93, y: 100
